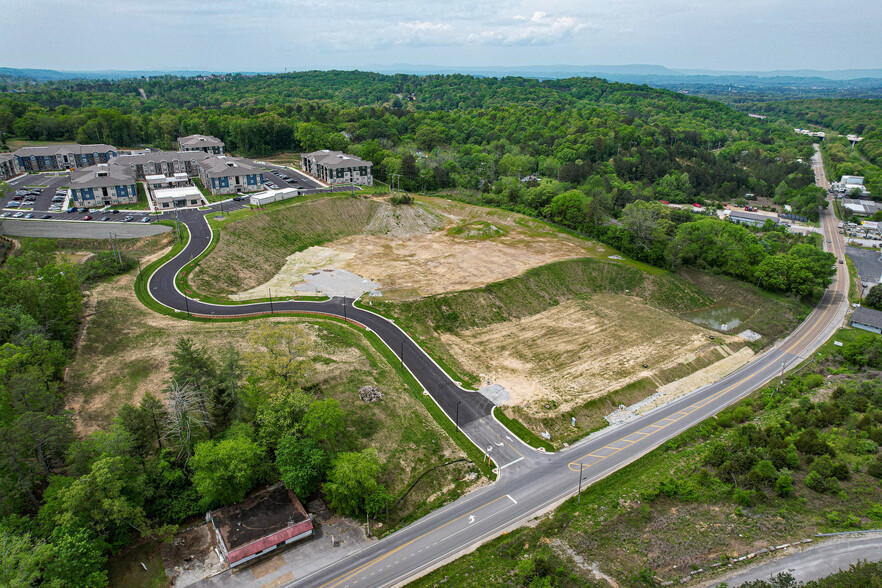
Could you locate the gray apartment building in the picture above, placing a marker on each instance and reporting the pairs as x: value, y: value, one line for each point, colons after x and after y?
x: 60, y: 157
x: 230, y: 175
x: 203, y: 143
x: 7, y: 166
x: 162, y: 163
x: 336, y: 167
x: 103, y: 185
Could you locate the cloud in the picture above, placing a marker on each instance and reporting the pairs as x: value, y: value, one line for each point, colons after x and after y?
x: 540, y: 29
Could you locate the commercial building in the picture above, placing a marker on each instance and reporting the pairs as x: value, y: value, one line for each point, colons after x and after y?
x: 7, y: 166
x: 867, y: 319
x: 203, y: 143
x: 259, y: 524
x: 861, y: 207
x: 103, y: 185
x: 176, y: 191
x: 273, y: 196
x: 751, y: 218
x: 163, y: 163
x: 230, y: 175
x: 60, y: 157
x: 336, y: 167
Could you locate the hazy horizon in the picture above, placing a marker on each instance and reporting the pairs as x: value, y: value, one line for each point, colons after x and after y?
x: 278, y: 35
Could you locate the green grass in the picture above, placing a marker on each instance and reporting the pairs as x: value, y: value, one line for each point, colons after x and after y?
x: 125, y: 571
x: 519, y: 429
x: 854, y: 294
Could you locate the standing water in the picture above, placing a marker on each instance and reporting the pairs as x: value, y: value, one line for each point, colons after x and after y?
x: 719, y: 316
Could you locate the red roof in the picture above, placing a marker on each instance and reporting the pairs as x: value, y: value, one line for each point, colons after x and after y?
x: 269, y: 541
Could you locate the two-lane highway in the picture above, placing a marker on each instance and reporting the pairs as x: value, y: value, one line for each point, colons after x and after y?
x: 530, y: 482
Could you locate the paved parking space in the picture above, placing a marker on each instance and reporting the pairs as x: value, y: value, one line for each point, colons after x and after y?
x: 868, y: 264
x: 298, y: 179
x: 46, y: 183
x: 78, y: 230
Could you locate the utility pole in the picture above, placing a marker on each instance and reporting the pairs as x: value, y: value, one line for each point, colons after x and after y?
x: 457, y: 414
x: 579, y: 499
x: 344, y: 309
x: 271, y: 300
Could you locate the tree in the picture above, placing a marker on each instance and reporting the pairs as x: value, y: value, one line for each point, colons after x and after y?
x: 323, y: 420
x: 281, y: 355
x: 568, y: 209
x: 192, y: 367
x: 302, y: 464
x: 279, y: 415
x: 784, y: 485
x: 77, y: 559
x: 225, y: 404
x: 224, y: 471
x: 184, y: 413
x: 21, y: 558
x: 353, y: 486
x: 874, y: 297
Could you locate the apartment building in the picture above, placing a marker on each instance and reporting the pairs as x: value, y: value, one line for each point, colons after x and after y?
x: 7, y: 166
x: 230, y: 175
x: 103, y: 185
x: 61, y: 157
x: 336, y: 167
x: 162, y: 163
x: 203, y: 143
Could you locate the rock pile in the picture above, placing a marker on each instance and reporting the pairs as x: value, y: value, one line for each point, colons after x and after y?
x: 370, y: 394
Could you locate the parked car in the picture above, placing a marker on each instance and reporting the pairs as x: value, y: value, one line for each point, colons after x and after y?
x: 13, y: 204
x: 87, y: 217
x: 146, y: 219
x: 5, y: 214
x: 29, y: 215
x: 18, y: 197
x: 45, y: 216
x: 18, y: 215
x: 114, y: 211
x: 238, y: 198
x: 72, y: 209
x: 84, y: 210
x: 128, y: 219
x: 105, y: 218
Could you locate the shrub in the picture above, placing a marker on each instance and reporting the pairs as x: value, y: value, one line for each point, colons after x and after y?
x: 784, y: 485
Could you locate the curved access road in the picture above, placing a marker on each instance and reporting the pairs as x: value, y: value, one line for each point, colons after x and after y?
x: 532, y: 482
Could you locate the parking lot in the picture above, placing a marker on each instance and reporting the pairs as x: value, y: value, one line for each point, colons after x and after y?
x: 46, y: 184
x: 296, y: 179
x: 868, y: 265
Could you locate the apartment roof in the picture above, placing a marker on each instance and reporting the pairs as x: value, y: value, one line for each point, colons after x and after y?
x: 867, y: 316
x: 69, y: 148
x: 199, y: 141
x: 221, y: 166
x: 6, y: 156
x: 158, y: 156
x: 328, y: 158
x: 101, y: 176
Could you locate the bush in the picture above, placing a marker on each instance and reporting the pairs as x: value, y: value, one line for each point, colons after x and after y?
x: 784, y: 485
x: 104, y: 265
x: 401, y: 199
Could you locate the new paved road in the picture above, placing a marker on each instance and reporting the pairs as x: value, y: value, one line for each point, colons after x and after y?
x: 530, y: 482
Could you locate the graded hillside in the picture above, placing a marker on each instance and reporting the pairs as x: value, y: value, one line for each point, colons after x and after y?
x: 580, y: 337
x: 430, y: 247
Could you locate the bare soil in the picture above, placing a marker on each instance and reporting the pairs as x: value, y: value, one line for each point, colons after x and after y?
x: 410, y: 251
x: 583, y: 349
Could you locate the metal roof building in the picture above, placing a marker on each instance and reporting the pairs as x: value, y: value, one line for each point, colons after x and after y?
x: 867, y: 319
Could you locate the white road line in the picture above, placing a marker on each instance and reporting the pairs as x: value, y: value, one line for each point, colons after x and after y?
x: 511, y: 462
x: 512, y: 499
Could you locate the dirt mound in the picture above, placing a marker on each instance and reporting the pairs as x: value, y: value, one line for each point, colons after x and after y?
x: 404, y: 221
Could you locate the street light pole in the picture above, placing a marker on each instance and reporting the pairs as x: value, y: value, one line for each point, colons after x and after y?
x: 344, y: 309
x: 457, y: 414
x: 187, y: 302
x: 271, y: 300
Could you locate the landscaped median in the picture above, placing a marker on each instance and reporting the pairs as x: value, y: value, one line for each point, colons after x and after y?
x: 416, y: 390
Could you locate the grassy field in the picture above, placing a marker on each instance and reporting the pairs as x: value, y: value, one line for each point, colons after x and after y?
x: 667, y: 514
x: 125, y: 570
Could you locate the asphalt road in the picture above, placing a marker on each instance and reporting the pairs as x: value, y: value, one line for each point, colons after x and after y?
x: 60, y: 229
x: 530, y: 482
x: 814, y: 563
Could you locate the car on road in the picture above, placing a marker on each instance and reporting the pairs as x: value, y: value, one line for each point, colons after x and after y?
x: 45, y: 216
x: 146, y: 219
x: 105, y: 218
x: 18, y: 215
x: 841, y: 261
x: 128, y: 219
x: 238, y: 198
x: 87, y: 217
x: 828, y: 240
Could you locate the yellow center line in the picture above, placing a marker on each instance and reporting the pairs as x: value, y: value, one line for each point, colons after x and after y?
x: 346, y: 576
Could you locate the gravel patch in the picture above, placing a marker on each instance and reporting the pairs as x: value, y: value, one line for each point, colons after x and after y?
x: 337, y: 283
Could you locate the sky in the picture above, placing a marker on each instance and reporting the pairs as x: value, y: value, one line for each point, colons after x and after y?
x: 279, y: 35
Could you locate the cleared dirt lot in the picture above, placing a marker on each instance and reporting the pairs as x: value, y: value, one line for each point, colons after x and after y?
x: 411, y: 251
x: 583, y: 349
